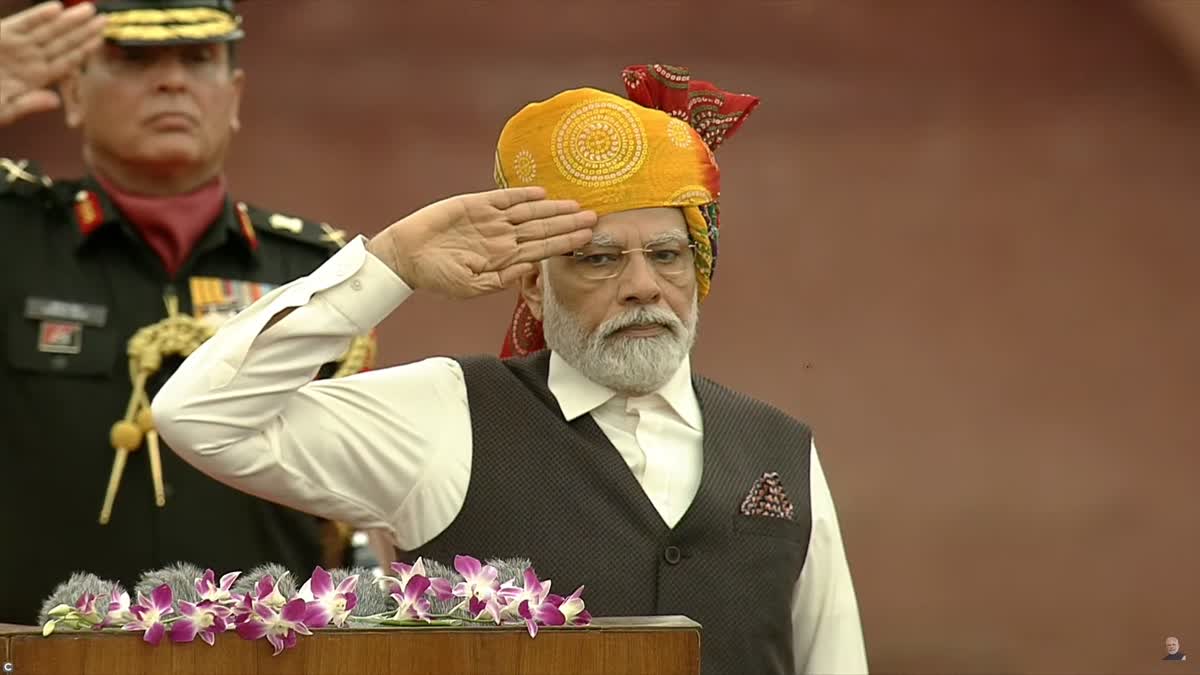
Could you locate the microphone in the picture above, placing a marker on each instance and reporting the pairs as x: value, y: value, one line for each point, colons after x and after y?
x: 68, y: 593
x: 285, y: 581
x: 180, y: 577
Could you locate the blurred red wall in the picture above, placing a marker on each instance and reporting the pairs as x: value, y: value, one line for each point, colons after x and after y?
x: 959, y: 239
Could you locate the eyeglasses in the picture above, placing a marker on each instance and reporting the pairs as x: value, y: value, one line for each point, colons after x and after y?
x: 597, y: 263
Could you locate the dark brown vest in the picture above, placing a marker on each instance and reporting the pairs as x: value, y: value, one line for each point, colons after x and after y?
x: 560, y: 494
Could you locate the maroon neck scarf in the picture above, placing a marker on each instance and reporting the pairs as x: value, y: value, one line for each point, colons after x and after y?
x: 173, y: 225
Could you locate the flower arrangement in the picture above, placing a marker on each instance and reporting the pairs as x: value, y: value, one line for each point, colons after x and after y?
x: 183, y: 603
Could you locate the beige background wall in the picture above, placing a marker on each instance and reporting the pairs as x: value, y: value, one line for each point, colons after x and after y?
x: 960, y: 239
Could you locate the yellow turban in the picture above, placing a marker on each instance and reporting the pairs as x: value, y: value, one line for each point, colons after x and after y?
x: 615, y: 154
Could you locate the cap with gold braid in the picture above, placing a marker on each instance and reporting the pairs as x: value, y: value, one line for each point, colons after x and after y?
x: 162, y: 22
x: 611, y: 154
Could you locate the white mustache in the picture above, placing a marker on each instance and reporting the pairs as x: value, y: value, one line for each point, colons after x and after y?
x: 640, y: 317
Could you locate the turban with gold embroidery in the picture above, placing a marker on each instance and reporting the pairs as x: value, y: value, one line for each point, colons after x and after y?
x: 612, y: 154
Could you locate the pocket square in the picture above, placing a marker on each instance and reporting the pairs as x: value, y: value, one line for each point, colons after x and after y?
x: 768, y: 498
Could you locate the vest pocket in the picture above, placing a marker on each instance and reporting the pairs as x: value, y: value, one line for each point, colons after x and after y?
x: 768, y: 526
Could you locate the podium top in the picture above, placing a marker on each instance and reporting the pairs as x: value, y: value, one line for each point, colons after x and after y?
x: 623, y: 623
x: 664, y: 645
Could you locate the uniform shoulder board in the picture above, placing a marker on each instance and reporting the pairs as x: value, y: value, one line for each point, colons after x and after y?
x: 23, y: 177
x: 279, y: 224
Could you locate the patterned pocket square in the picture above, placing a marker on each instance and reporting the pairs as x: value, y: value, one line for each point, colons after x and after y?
x: 768, y: 498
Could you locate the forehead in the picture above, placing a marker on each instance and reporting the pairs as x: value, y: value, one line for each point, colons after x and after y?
x: 642, y: 223
x: 154, y: 52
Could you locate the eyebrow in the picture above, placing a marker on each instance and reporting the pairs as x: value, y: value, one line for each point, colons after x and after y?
x: 603, y: 239
x: 671, y: 236
x: 606, y: 239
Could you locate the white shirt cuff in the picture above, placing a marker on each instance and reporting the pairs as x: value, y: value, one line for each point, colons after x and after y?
x: 360, y: 286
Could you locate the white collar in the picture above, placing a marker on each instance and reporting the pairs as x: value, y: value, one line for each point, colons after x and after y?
x: 577, y: 395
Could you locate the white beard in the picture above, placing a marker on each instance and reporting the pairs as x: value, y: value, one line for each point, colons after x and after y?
x: 634, y: 366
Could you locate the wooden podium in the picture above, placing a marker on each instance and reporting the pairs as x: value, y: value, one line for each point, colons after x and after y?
x: 660, y: 645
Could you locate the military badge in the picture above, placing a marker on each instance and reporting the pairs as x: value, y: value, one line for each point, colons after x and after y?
x: 215, y: 301
x: 60, y: 337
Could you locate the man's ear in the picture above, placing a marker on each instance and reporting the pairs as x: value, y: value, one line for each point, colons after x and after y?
x: 239, y: 84
x: 69, y: 91
x: 531, y: 290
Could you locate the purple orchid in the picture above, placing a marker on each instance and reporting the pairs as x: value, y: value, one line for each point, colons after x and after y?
x: 492, y: 607
x: 86, y: 612
x: 479, y: 586
x: 118, y: 608
x: 407, y: 571
x: 81, y: 616
x: 532, y: 604
x: 205, y: 619
x: 571, y: 607
x: 243, y: 609
x: 266, y: 592
x: 264, y: 611
x: 412, y: 600
x: 441, y: 589
x: 208, y: 589
x: 545, y: 613
x: 148, y: 614
x: 511, y: 596
x: 279, y: 627
x: 86, y: 605
x: 327, y: 604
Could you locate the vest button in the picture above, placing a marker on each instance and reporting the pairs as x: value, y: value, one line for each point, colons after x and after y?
x: 672, y: 555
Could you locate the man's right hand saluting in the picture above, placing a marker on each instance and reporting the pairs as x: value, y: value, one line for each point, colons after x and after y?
x: 479, y: 243
x: 38, y: 48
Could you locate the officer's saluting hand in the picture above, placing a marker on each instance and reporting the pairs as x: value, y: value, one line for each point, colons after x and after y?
x: 41, y: 46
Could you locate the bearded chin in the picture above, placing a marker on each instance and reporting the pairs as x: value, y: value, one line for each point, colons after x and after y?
x: 634, y: 366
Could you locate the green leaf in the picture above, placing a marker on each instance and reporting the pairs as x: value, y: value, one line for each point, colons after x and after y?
x: 61, y: 610
x: 49, y: 627
x: 416, y: 623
